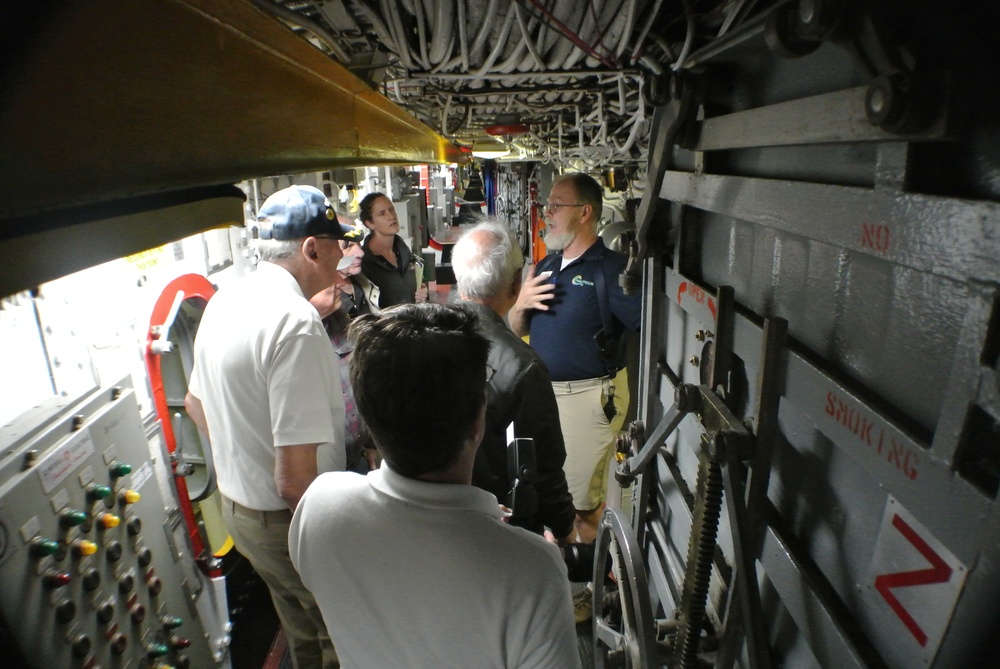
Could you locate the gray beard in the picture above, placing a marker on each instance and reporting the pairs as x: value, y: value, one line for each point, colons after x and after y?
x: 557, y: 241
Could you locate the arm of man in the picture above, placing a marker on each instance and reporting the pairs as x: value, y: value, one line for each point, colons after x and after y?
x: 536, y: 291
x: 547, y: 635
x: 626, y: 308
x: 536, y: 415
x: 294, y: 469
x: 196, y: 411
x: 306, y: 405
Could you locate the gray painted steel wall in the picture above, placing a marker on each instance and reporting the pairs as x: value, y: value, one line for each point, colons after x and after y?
x: 882, y: 253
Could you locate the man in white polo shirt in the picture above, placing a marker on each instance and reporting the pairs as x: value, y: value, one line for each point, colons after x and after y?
x: 411, y: 565
x: 266, y: 389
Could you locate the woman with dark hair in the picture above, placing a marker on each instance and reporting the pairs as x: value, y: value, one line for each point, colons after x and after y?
x: 388, y: 262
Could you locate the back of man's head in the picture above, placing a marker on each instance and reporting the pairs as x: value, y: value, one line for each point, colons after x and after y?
x: 419, y: 377
x: 485, y: 260
x: 588, y: 191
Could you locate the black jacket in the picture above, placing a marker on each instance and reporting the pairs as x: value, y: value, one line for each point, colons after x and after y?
x: 522, y: 392
x: 397, y: 285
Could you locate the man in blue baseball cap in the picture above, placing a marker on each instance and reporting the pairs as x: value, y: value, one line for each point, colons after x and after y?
x: 266, y: 389
x: 298, y: 212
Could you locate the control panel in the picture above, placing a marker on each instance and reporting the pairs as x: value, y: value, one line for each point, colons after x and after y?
x: 96, y: 569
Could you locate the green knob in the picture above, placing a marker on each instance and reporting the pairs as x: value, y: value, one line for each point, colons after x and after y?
x: 96, y: 492
x: 157, y: 650
x: 43, y: 547
x: 119, y: 469
x: 72, y: 518
x: 171, y: 622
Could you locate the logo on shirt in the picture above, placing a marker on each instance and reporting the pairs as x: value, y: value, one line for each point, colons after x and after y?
x: 580, y: 281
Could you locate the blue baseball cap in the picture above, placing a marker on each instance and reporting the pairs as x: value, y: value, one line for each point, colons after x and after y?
x: 298, y: 212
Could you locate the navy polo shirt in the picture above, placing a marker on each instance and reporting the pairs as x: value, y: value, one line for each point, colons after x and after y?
x: 563, y: 336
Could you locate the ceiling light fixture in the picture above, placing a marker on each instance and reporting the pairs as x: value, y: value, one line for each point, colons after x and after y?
x: 490, y: 154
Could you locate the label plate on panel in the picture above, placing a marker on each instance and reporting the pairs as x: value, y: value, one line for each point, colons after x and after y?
x: 917, y: 579
x: 54, y: 469
x: 142, y: 474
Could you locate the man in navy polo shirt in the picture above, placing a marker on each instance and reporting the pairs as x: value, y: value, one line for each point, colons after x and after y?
x: 568, y: 299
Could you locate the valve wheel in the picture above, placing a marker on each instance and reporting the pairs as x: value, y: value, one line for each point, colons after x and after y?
x: 624, y: 630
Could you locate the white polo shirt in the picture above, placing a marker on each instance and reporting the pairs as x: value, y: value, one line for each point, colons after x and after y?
x: 267, y: 376
x: 415, y: 574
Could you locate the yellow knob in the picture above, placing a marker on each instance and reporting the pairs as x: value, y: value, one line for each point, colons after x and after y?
x: 129, y: 497
x: 108, y: 520
x: 83, y: 548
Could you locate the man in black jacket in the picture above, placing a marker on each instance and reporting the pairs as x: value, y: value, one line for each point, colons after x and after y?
x: 487, y: 261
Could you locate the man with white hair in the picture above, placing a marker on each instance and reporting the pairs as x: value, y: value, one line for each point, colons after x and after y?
x: 487, y: 261
x: 265, y: 389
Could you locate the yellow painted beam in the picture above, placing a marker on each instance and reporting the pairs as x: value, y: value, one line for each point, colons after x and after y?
x: 46, y: 249
x: 112, y: 99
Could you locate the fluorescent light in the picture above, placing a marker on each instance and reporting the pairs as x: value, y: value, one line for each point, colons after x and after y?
x: 489, y: 154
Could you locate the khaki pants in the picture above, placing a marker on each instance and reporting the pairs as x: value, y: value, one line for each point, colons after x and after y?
x: 262, y: 538
x: 589, y: 435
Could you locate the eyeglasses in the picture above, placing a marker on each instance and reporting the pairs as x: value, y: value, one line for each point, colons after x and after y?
x: 344, y: 244
x: 552, y: 208
x: 490, y: 373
